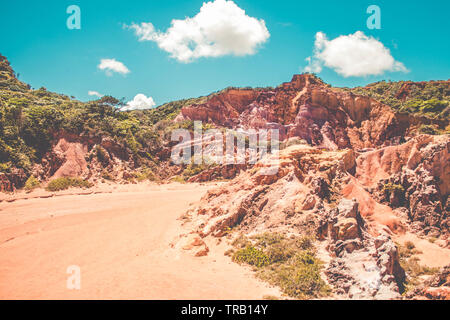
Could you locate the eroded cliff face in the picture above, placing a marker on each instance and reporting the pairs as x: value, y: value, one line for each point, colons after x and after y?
x: 413, y: 179
x: 90, y: 158
x: 309, y: 109
x: 354, y: 202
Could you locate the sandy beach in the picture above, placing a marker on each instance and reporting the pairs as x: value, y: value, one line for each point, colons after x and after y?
x: 120, y: 240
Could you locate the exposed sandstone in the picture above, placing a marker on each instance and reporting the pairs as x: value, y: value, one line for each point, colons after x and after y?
x: 308, y: 109
x: 332, y: 194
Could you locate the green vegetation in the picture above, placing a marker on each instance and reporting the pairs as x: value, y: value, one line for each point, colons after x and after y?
x: 393, y: 188
x: 289, y: 263
x: 31, y: 119
x: 429, y: 129
x: 66, y: 183
x: 143, y: 175
x: 193, y: 169
x: 32, y: 183
x: 429, y: 99
x: 252, y: 256
x: 428, y: 106
x: 179, y: 179
x: 411, y: 265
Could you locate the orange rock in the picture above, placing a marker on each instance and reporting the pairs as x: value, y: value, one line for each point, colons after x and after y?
x: 438, y: 293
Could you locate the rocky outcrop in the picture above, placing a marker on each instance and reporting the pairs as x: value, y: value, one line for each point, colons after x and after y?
x: 274, y: 190
x: 435, y: 288
x: 308, y: 109
x: 362, y: 266
x: 11, y: 180
x: 414, y: 178
x: 300, y: 193
x: 354, y: 202
x: 90, y: 158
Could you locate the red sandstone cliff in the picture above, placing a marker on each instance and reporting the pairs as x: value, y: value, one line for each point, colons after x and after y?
x: 309, y: 109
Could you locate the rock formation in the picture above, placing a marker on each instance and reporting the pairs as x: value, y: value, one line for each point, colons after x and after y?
x: 308, y: 109
x: 346, y: 200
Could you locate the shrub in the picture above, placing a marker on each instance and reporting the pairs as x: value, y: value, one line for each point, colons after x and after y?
x: 5, y: 167
x: 146, y: 174
x: 414, y: 269
x: 251, y: 256
x: 428, y: 129
x: 66, y: 183
x: 410, y: 245
x: 433, y: 106
x: 101, y: 154
x: 290, y: 263
x: 300, y: 277
x: 392, y: 187
x: 407, y: 250
x: 32, y: 183
x: 411, y: 265
x: 107, y: 176
x: 178, y: 179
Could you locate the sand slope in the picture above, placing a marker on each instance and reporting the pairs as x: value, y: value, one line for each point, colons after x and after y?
x: 120, y: 240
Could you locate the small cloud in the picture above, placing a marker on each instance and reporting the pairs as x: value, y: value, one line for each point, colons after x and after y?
x: 95, y: 93
x: 353, y: 55
x: 112, y: 65
x: 220, y: 28
x: 314, y: 66
x: 140, y: 102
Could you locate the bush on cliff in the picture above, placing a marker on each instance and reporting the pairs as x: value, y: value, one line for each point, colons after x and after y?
x: 429, y: 129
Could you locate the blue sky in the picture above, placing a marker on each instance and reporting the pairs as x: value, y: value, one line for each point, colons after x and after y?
x: 36, y: 40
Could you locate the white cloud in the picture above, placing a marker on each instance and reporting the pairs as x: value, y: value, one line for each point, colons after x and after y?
x: 354, y: 55
x: 220, y: 28
x: 112, y: 65
x: 140, y: 102
x: 313, y: 66
x: 95, y: 93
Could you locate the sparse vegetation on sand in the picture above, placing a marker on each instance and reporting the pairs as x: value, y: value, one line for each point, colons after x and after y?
x: 146, y: 174
x: 290, y: 263
x: 411, y: 264
x: 66, y: 183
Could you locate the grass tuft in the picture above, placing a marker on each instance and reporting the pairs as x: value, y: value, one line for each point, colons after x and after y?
x: 66, y: 183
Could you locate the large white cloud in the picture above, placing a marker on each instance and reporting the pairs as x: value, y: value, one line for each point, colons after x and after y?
x: 112, y: 65
x: 220, y: 28
x: 140, y: 102
x: 353, y: 55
